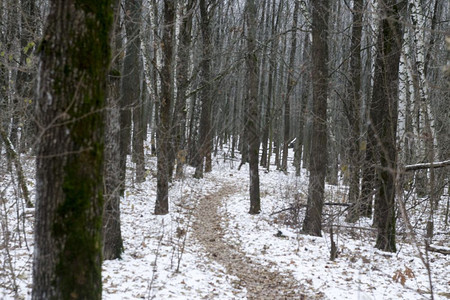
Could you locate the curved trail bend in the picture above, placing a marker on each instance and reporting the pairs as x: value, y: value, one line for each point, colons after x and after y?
x: 260, y: 281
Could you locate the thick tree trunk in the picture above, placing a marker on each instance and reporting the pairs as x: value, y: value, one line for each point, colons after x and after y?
x: 74, y: 60
x: 318, y: 159
x: 163, y: 145
x: 384, y: 114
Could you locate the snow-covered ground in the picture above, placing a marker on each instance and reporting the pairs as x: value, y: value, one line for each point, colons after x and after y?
x: 163, y: 260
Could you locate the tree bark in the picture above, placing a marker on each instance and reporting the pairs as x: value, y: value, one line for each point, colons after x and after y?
x: 163, y: 145
x: 383, y: 115
x: 353, y: 109
x: 112, y: 235
x: 135, y: 84
x: 74, y: 60
x: 205, y: 139
x: 291, y: 82
x: 182, y: 85
x: 253, y: 108
x: 318, y: 158
x: 300, y: 141
x: 129, y: 93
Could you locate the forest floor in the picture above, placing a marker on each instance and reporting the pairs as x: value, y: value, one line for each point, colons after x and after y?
x: 261, y: 281
x: 209, y: 247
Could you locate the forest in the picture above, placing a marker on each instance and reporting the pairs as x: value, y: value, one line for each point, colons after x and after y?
x: 224, y: 149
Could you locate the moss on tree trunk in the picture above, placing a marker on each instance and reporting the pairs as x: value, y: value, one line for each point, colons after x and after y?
x: 74, y: 59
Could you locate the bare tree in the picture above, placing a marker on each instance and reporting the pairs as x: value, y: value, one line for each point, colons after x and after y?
x: 205, y: 138
x: 74, y: 61
x: 383, y: 121
x: 163, y: 146
x: 289, y: 90
x: 318, y: 156
x: 182, y: 79
x: 252, y: 125
x: 134, y: 12
x: 112, y: 235
x: 353, y: 112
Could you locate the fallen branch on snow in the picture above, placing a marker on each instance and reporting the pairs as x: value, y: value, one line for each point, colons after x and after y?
x: 441, y: 250
x: 437, y: 164
x: 304, y: 205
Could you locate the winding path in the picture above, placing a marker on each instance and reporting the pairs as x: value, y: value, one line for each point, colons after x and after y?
x: 260, y: 281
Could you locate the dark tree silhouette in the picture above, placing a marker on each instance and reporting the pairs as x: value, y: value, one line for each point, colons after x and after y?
x: 74, y: 60
x: 162, y: 196
x: 318, y: 156
x: 252, y: 113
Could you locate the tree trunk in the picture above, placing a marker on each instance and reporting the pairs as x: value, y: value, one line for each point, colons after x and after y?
x: 25, y: 72
x: 139, y: 125
x: 439, y: 107
x: 300, y: 141
x: 131, y: 83
x: 163, y: 145
x: 112, y: 235
x: 384, y: 114
x: 205, y: 140
x: 253, y: 109
x: 318, y: 160
x: 129, y: 93
x: 74, y: 60
x: 353, y: 109
x: 268, y: 115
x: 182, y: 85
x: 290, y: 86
x: 12, y: 32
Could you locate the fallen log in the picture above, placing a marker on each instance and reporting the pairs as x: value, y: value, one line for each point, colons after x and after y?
x: 441, y: 250
x: 304, y: 205
x: 437, y: 164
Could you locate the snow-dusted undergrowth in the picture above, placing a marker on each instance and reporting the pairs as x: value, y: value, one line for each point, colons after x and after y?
x: 162, y: 260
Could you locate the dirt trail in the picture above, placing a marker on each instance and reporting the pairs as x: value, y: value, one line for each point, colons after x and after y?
x: 259, y: 280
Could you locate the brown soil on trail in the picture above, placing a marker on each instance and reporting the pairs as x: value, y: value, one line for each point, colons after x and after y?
x: 260, y: 281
